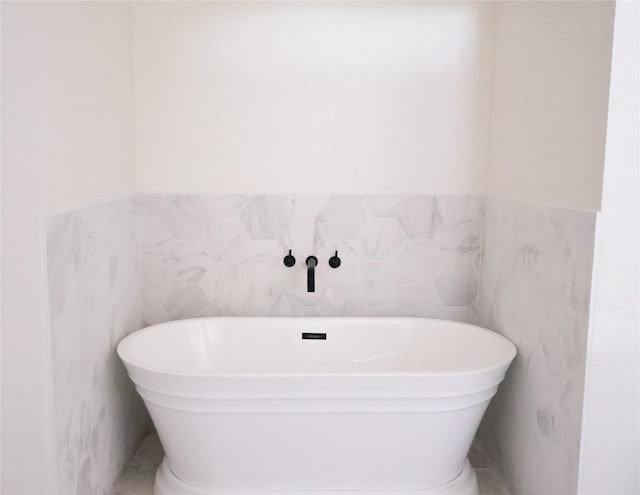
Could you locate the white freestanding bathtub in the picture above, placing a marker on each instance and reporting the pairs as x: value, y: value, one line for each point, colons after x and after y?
x: 317, y: 406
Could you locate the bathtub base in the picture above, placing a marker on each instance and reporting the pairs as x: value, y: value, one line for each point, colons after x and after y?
x: 167, y: 483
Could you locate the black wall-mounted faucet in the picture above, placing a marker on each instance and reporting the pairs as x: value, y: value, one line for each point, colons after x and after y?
x: 312, y: 262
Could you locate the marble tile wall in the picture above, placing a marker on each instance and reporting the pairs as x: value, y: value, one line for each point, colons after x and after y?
x: 95, y: 299
x: 222, y: 255
x: 117, y: 266
x: 535, y: 287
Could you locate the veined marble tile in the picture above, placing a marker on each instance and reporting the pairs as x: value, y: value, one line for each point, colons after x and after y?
x: 382, y: 284
x: 521, y: 269
x: 236, y: 294
x: 309, y: 205
x: 351, y: 253
x: 151, y: 231
x: 158, y: 257
x: 223, y: 237
x: 343, y: 217
x: 461, y: 206
x: 457, y: 284
x: 139, y: 474
x: 421, y: 217
x: 224, y: 205
x: 382, y: 239
x: 382, y: 205
x: 265, y: 217
x: 156, y: 283
x: 459, y: 239
x: 421, y: 262
x: 535, y: 286
x: 188, y: 301
x: 153, y: 315
x: 297, y: 304
x: 343, y: 300
x: 385, y: 242
x: 423, y: 300
x: 300, y: 235
x: 95, y: 299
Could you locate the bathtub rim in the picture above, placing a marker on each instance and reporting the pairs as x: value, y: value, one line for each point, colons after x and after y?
x: 513, y: 351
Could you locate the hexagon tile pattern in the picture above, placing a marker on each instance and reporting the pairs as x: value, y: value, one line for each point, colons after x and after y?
x: 222, y: 255
x: 382, y: 239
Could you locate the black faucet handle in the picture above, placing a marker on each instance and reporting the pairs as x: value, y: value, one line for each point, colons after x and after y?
x: 334, y: 261
x: 289, y: 260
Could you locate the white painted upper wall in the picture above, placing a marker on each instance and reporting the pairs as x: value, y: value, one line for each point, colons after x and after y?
x: 312, y: 97
x: 67, y: 142
x: 549, y: 101
x: 68, y: 101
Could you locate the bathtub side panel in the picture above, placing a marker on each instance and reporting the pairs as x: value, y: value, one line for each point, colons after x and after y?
x: 316, y: 450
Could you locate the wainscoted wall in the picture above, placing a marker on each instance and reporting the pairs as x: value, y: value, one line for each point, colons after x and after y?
x: 152, y: 258
x: 94, y: 301
x: 535, y: 287
x: 222, y: 255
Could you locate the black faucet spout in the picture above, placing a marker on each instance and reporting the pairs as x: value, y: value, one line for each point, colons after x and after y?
x: 312, y: 262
